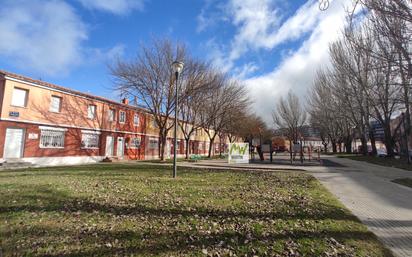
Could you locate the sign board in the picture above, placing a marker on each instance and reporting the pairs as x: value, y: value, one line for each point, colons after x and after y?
x: 296, y: 147
x: 255, y: 141
x: 238, y: 153
x: 266, y: 148
x: 14, y: 114
x: 33, y: 136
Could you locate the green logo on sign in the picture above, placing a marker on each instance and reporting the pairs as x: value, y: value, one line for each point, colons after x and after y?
x: 239, y: 149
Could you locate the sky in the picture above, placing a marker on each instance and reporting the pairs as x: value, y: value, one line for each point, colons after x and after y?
x: 271, y: 46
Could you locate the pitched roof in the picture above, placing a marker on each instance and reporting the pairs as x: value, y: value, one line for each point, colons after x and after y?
x: 65, y: 89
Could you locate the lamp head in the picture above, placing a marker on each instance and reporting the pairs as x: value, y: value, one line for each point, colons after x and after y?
x: 177, y: 66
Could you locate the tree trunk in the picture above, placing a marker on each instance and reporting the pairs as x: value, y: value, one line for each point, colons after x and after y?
x: 163, y: 140
x: 348, y: 145
x: 187, y: 142
x: 373, y: 142
x: 389, y: 142
x: 334, y: 149
x: 220, y: 146
x: 325, y: 147
x: 290, y: 151
x: 210, y: 147
x: 364, y: 144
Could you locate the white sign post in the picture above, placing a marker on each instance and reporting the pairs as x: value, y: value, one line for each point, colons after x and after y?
x: 238, y: 153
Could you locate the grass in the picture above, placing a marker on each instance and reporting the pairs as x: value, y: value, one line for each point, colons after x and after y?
x: 404, y: 181
x: 139, y: 210
x: 388, y: 162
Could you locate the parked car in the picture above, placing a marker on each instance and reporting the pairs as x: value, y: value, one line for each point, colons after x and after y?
x: 381, y: 152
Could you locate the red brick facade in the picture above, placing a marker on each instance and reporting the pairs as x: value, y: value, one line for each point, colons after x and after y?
x: 122, y: 122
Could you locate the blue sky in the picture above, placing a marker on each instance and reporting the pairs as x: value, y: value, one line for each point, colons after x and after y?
x: 272, y: 46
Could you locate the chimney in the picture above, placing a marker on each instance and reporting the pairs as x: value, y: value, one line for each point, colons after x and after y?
x: 125, y: 101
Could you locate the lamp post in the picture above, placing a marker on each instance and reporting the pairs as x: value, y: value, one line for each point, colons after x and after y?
x: 177, y: 68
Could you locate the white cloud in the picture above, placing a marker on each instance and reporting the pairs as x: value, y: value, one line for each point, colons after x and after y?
x: 258, y: 26
x: 98, y: 55
x: 262, y: 28
x: 41, y: 36
x: 297, y: 71
x: 118, y: 7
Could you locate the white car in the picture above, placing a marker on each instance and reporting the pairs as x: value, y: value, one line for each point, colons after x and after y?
x: 381, y: 152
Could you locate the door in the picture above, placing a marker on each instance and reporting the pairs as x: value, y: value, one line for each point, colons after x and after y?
x: 109, y: 146
x: 120, y: 147
x: 13, y: 144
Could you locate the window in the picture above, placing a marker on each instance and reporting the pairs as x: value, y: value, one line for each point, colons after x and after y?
x: 122, y: 117
x: 154, y: 124
x: 135, y: 142
x: 153, y: 143
x: 136, y: 119
x: 52, y: 137
x: 112, y: 114
x: 90, y: 139
x: 55, y: 104
x: 19, y: 97
x: 91, y: 111
x: 178, y: 144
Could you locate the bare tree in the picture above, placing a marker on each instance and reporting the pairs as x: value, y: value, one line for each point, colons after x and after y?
x: 198, y: 81
x: 391, y: 20
x: 326, y: 113
x: 229, y: 98
x: 290, y: 116
x: 149, y: 77
x: 352, y: 79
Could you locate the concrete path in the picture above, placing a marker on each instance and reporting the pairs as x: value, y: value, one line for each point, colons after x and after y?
x: 385, y: 207
x: 366, y: 189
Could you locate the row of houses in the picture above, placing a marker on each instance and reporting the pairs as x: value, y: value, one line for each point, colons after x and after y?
x: 46, y: 124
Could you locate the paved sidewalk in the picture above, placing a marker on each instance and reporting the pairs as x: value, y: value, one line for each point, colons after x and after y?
x: 366, y: 189
x: 385, y: 207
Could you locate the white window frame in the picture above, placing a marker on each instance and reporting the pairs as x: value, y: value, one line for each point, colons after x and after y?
x: 15, y: 101
x: 90, y: 113
x: 153, y: 143
x: 87, y: 134
x: 133, y: 145
x: 136, y: 119
x: 52, y: 134
x: 52, y: 106
x: 178, y: 144
x: 112, y: 115
x: 120, y: 117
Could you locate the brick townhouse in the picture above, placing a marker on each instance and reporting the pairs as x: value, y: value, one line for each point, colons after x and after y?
x: 46, y: 124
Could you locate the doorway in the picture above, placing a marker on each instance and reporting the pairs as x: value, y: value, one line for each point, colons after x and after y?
x: 120, y: 147
x: 109, y: 146
x: 13, y: 144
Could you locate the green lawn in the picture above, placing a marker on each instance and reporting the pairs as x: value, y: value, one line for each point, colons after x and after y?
x: 136, y: 209
x: 389, y: 162
x: 403, y: 181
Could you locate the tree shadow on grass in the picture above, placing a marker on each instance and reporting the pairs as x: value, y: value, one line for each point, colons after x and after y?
x: 153, y: 241
x: 158, y: 243
x: 60, y: 201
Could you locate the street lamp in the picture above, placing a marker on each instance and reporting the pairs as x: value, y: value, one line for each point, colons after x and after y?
x: 177, y: 68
